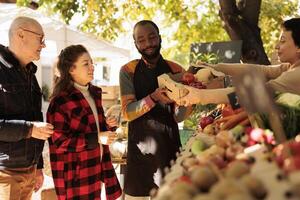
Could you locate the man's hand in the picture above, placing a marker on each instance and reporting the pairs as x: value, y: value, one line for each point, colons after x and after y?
x: 107, y: 137
x: 39, y: 179
x: 160, y: 95
x: 41, y: 130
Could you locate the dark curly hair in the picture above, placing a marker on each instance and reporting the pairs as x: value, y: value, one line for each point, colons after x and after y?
x: 66, y: 59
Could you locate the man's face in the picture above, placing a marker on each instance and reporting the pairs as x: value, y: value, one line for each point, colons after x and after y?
x: 147, y: 41
x: 33, y: 41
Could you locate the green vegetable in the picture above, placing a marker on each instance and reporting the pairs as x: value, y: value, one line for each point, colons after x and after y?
x: 289, y: 105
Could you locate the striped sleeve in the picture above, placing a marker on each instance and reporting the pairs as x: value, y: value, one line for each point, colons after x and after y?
x: 131, y: 108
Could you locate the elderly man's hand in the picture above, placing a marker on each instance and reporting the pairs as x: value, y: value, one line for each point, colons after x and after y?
x: 41, y: 130
x: 39, y: 179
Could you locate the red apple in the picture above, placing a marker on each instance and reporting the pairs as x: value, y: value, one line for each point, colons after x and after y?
x: 295, y: 147
x: 188, y: 78
x: 204, y: 121
x: 291, y: 164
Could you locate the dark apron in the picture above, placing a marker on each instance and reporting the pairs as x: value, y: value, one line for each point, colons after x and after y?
x: 153, y: 138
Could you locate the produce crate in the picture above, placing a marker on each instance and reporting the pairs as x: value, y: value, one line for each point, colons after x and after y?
x: 185, y: 135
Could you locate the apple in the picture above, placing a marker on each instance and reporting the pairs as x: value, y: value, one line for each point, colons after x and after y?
x: 291, y: 164
x: 188, y: 78
x: 198, y: 146
x: 295, y: 147
x: 204, y: 121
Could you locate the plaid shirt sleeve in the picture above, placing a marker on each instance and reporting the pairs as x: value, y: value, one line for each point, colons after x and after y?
x: 62, y: 138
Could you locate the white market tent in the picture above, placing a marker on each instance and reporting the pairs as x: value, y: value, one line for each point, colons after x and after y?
x: 59, y: 35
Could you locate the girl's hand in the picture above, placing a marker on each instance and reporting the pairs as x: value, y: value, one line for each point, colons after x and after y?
x: 107, y: 137
x: 112, y: 121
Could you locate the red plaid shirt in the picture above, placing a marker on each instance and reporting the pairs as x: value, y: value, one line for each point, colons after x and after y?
x: 74, y: 150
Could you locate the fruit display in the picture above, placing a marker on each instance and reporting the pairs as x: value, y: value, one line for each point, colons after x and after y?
x: 227, y: 158
x: 233, y: 163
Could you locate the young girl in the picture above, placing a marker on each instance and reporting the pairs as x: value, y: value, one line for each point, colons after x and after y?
x: 79, y: 163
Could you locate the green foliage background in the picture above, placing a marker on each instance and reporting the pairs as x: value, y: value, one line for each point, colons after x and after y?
x: 184, y: 21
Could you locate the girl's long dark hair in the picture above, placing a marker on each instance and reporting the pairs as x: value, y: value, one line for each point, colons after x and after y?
x: 66, y: 60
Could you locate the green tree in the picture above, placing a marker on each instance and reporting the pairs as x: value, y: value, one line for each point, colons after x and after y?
x: 182, y: 22
x: 241, y: 21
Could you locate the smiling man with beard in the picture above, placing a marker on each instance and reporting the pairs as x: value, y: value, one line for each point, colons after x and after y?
x: 153, y: 135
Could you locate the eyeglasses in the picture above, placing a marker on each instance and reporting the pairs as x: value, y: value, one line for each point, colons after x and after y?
x: 42, y: 37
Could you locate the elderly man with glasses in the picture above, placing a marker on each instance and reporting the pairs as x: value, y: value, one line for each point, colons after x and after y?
x: 22, y: 130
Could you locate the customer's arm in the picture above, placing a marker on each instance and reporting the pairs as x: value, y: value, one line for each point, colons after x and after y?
x: 235, y: 69
x: 14, y: 130
x: 287, y: 82
x: 206, y: 96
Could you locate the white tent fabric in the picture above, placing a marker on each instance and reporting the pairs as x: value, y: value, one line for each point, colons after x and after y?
x: 57, y: 31
x: 58, y: 35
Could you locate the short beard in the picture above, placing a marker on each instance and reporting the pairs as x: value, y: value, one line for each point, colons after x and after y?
x: 155, y: 54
